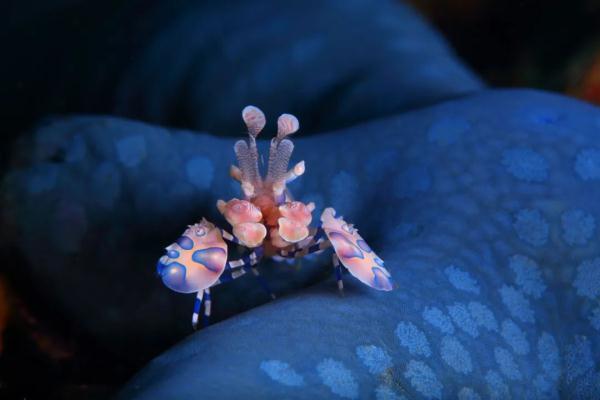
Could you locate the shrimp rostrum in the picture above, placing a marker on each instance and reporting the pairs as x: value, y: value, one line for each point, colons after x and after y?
x: 267, y: 222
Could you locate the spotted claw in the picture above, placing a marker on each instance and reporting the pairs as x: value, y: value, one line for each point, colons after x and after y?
x: 354, y: 253
x: 195, y: 261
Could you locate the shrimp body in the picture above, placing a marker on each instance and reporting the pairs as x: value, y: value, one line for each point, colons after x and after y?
x: 268, y: 222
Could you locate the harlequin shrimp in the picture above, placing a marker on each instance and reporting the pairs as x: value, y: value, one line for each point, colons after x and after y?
x: 268, y: 223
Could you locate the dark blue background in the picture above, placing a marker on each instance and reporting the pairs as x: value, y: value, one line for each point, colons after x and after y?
x: 483, y: 203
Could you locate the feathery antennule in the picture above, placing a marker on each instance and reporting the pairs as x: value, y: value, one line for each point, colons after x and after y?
x: 272, y: 157
x: 247, y: 153
x: 255, y: 120
x: 278, y: 168
x: 286, y: 125
x: 245, y: 161
x: 281, y: 148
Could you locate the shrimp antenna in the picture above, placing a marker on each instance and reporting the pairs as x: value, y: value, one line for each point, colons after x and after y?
x: 281, y: 148
x: 247, y: 152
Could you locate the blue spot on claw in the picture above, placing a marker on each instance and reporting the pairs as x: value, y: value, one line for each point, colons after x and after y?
x: 381, y: 280
x: 363, y: 245
x: 211, y: 258
x: 350, y: 250
x: 185, y: 243
x: 172, y: 253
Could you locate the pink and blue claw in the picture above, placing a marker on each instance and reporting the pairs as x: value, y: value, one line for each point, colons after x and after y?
x: 267, y: 216
x: 354, y: 253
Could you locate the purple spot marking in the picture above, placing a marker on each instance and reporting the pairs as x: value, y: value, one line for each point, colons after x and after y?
x: 173, y: 276
x: 363, y: 245
x: 211, y: 258
x: 379, y: 261
x: 173, y: 253
x: 177, y: 265
x: 381, y: 280
x: 349, y: 249
x: 185, y: 242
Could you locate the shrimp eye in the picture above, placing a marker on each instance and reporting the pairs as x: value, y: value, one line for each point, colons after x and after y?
x: 200, y: 232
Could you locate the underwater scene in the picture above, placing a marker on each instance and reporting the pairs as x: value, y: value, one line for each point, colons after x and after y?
x: 359, y: 199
